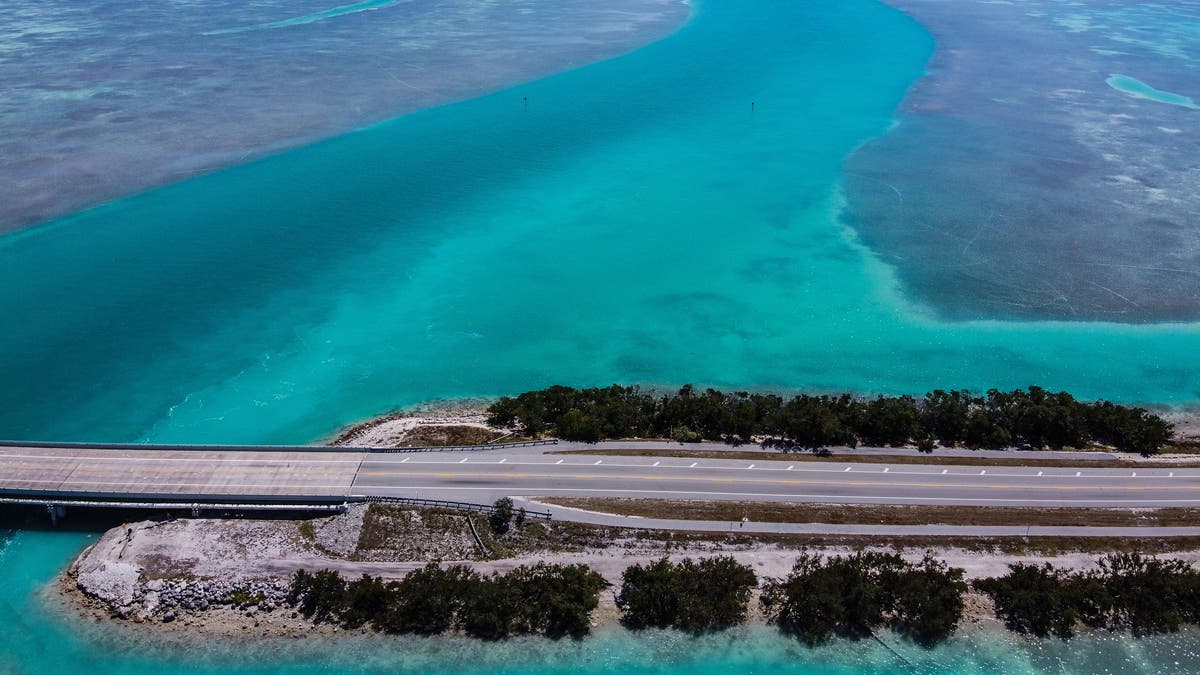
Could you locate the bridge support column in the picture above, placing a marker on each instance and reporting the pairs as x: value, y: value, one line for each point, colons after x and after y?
x: 196, y: 510
x: 57, y: 513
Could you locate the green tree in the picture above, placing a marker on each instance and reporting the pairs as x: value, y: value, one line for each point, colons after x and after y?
x: 841, y: 596
x: 1034, y: 417
x: 928, y: 601
x: 887, y: 421
x: 490, y: 609
x: 695, y: 596
x: 320, y: 596
x: 1033, y: 599
x: 427, y: 601
x: 555, y: 600
x: 1148, y: 595
x: 501, y: 516
x: 650, y: 595
x: 578, y: 426
x: 551, y: 600
x: 944, y: 415
x: 1129, y: 429
x: 366, y: 600
x: 983, y: 432
x: 811, y: 423
x: 714, y: 593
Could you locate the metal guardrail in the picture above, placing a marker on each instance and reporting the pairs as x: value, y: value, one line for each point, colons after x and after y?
x: 272, y: 448
x: 442, y: 504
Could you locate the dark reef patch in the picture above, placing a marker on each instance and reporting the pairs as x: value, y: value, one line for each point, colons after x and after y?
x: 120, y: 97
x: 1020, y: 185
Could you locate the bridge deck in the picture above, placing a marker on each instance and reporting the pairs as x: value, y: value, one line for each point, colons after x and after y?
x: 176, y: 473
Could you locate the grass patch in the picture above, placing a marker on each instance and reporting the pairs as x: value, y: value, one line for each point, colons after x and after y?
x: 796, y: 457
x: 1040, y: 546
x: 417, y: 534
x: 438, y: 435
x: 542, y: 537
x: 423, y: 535
x: 874, y: 514
x: 242, y: 597
x: 1185, y: 447
x: 305, y: 528
x: 387, y: 528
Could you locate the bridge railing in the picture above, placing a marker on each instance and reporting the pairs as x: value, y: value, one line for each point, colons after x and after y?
x: 443, y: 504
x: 153, y: 505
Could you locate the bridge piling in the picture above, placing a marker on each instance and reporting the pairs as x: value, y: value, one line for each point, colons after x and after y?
x: 56, y: 512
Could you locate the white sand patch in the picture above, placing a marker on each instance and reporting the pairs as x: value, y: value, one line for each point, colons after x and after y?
x: 390, y: 430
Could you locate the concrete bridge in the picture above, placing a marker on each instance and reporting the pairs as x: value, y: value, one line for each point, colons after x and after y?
x: 199, y: 478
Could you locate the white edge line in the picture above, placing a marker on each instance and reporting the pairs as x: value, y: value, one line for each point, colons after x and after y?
x: 826, y: 498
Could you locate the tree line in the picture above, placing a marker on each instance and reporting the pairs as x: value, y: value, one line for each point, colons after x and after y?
x: 1128, y: 591
x: 843, y: 596
x: 822, y: 598
x: 543, y: 599
x: 854, y: 596
x: 1033, y: 418
x: 694, y: 596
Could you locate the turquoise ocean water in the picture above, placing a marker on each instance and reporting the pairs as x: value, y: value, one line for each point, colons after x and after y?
x: 637, y: 222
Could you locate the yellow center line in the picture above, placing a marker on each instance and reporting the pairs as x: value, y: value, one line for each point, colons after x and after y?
x: 772, y: 481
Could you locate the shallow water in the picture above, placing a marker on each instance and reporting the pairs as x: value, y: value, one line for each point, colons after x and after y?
x: 42, y: 636
x: 636, y: 221
x: 1138, y: 89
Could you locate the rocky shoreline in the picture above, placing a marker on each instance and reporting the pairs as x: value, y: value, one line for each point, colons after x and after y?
x: 165, y: 600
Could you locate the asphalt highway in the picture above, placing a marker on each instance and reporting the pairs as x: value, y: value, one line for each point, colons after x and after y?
x: 530, y: 472
x: 484, y: 476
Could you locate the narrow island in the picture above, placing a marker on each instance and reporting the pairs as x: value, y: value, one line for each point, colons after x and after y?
x: 508, y: 568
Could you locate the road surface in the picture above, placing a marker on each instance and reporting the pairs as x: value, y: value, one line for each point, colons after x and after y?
x: 531, y: 472
x: 484, y: 476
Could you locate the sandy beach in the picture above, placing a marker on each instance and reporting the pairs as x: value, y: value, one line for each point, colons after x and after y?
x: 395, y: 428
